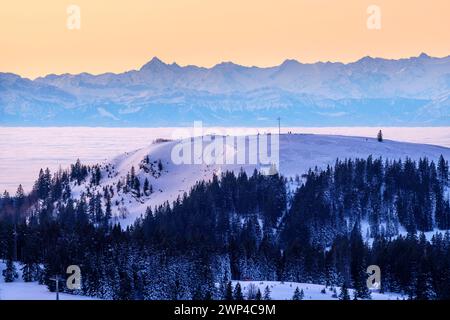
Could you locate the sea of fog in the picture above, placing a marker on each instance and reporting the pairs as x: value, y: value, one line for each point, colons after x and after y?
x: 23, y: 151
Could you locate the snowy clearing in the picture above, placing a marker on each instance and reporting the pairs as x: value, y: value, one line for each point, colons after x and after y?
x: 25, y: 150
x: 20, y: 290
x: 285, y: 291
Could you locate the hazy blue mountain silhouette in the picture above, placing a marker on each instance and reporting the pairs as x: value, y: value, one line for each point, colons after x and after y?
x: 370, y: 91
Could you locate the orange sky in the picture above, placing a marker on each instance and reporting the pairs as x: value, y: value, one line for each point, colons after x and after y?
x: 122, y: 35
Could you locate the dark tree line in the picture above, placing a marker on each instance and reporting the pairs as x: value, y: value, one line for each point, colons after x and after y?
x: 240, y: 227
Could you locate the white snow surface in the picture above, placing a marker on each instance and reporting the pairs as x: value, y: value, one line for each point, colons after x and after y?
x: 298, y: 153
x: 20, y: 290
x: 285, y: 291
x: 25, y: 150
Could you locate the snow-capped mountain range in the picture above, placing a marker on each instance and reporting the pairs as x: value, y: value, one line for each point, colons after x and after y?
x: 297, y: 154
x: 370, y: 91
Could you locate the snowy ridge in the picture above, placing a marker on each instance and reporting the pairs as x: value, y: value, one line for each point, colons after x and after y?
x: 298, y: 153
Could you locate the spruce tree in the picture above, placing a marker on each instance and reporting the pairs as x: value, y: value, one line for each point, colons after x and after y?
x: 146, y: 187
x: 237, y: 294
x: 357, y: 263
x: 160, y: 166
x: 442, y: 170
x: 20, y: 197
x: 258, y: 295
x: 298, y: 295
x: 266, y: 295
x: 108, y: 211
x: 10, y: 273
x: 229, y: 291
x: 137, y: 187
x: 344, y: 295
x: 380, y: 136
x: 28, y: 272
x: 424, y: 285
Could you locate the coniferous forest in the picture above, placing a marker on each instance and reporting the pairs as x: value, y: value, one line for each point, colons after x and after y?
x: 324, y: 227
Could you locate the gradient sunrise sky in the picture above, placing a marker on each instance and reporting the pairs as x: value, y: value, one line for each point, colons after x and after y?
x: 117, y: 35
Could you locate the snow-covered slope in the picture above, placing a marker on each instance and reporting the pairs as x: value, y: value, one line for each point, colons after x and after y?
x: 20, y: 290
x: 297, y: 152
x: 285, y: 291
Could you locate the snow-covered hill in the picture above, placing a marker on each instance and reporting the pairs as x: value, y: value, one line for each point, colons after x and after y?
x: 298, y: 153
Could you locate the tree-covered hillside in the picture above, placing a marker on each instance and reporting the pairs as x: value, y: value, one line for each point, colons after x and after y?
x: 324, y: 227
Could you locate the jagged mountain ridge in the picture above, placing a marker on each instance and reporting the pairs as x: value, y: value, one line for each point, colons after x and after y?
x: 369, y: 91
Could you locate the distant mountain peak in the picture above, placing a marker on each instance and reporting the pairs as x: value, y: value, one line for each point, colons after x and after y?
x: 156, y: 60
x: 154, y: 64
x: 366, y: 59
x: 423, y: 55
x: 370, y: 91
x: 227, y: 65
x: 290, y: 62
